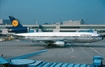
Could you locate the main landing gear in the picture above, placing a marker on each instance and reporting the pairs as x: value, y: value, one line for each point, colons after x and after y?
x: 48, y: 45
x: 87, y: 44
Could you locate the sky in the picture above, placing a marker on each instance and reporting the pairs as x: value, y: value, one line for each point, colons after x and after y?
x: 50, y: 11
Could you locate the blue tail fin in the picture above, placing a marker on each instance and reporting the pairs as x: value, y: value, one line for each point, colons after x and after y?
x: 17, y: 27
x: 15, y: 22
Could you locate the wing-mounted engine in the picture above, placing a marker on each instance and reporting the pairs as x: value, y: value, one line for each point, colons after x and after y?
x: 59, y: 43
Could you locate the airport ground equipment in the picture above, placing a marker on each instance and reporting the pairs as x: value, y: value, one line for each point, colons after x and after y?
x: 97, y: 61
x: 6, y: 38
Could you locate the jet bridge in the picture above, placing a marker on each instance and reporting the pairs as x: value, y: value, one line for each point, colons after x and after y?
x: 20, y: 61
x: 97, y: 62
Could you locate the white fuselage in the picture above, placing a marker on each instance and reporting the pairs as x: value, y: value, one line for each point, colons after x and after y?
x: 82, y: 37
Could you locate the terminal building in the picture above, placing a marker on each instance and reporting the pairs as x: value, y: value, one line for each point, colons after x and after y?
x: 65, y: 26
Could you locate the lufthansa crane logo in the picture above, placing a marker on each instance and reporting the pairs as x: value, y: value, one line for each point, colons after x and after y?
x: 15, y: 23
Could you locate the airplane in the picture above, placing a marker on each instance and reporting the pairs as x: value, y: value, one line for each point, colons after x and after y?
x: 54, y: 38
x: 61, y: 38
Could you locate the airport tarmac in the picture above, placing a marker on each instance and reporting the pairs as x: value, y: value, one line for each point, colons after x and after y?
x: 73, y: 53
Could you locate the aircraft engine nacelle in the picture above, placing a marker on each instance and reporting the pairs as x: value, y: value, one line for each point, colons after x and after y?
x: 59, y: 43
x: 19, y: 30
